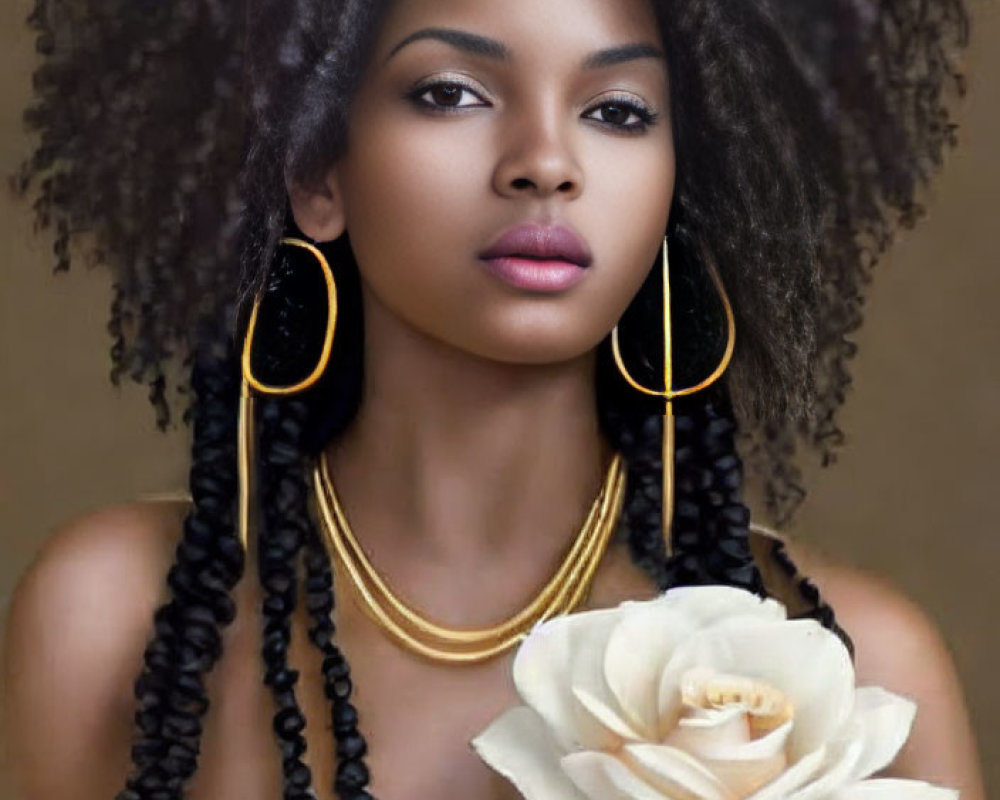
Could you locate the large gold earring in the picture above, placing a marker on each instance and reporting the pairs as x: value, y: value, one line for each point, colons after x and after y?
x: 331, y: 328
x: 250, y: 381
x: 668, y: 394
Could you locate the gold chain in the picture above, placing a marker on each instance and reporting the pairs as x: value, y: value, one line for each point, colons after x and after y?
x: 562, y: 594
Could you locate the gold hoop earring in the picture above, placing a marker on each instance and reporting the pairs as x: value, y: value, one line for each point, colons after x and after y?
x: 668, y: 394
x: 245, y: 442
x: 331, y: 328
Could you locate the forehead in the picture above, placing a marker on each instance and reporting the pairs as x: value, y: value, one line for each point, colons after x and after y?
x: 526, y: 27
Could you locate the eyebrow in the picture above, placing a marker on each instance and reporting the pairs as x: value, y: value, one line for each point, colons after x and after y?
x: 621, y: 55
x: 477, y: 45
x: 460, y: 40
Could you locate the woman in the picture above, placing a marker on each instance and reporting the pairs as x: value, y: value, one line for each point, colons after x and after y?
x: 492, y: 184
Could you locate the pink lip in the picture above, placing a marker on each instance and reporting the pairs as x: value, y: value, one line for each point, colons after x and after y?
x: 544, y: 258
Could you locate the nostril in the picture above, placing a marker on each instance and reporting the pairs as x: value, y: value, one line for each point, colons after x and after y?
x: 521, y: 183
x: 566, y: 186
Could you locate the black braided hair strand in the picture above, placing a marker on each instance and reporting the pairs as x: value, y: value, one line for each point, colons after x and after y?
x: 289, y: 533
x: 282, y: 537
x: 711, y: 524
x: 352, y: 773
x: 187, y: 640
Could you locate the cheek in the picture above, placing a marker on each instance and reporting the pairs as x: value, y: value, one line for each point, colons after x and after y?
x: 406, y: 186
x: 629, y: 223
x: 418, y: 213
x: 636, y: 191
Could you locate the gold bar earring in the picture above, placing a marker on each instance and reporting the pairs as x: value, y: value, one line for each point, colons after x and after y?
x: 668, y: 394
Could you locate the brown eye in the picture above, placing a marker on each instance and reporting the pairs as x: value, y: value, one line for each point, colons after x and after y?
x: 447, y: 94
x: 615, y: 114
x: 625, y: 115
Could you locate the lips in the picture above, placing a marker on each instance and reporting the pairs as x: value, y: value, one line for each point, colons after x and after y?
x: 538, y: 259
x: 543, y: 243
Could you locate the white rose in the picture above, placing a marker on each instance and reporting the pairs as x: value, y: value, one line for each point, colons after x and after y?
x: 706, y: 693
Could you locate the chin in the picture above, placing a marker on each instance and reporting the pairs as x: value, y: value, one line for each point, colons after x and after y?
x: 518, y: 333
x: 533, y: 346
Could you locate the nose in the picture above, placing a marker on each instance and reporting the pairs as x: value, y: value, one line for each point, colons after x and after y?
x: 538, y: 159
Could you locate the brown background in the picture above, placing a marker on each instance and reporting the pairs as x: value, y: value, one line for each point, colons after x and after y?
x: 914, y: 496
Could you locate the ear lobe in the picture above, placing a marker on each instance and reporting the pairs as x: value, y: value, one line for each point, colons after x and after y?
x: 319, y: 210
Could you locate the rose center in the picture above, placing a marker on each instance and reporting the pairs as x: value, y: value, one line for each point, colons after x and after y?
x: 767, y: 708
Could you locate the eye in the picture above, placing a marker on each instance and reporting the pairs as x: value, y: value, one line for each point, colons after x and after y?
x: 446, y: 95
x: 622, y: 113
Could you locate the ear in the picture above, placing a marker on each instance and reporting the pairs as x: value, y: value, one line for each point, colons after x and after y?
x: 318, y: 209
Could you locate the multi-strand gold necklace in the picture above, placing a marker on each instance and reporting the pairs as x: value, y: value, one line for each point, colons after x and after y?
x: 412, y: 630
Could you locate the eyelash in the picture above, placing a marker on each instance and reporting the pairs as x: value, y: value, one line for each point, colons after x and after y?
x: 646, y: 116
x: 417, y: 95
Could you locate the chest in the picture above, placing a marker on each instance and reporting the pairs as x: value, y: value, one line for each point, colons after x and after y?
x: 417, y: 717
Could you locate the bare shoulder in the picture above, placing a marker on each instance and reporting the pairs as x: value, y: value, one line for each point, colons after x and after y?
x: 899, y: 648
x: 133, y: 534
x: 96, y: 581
x: 77, y: 627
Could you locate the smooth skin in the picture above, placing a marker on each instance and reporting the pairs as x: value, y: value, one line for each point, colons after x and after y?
x: 478, y: 420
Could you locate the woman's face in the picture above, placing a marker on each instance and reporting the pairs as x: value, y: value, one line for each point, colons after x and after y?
x: 508, y: 172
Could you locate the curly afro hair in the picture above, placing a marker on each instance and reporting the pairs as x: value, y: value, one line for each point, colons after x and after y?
x: 804, y: 129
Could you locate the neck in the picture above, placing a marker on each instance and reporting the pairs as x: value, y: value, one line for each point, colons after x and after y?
x: 453, y: 455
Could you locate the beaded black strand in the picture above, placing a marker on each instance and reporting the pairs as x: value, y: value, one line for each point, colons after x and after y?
x: 285, y: 526
x: 187, y: 640
x: 637, y: 438
x: 711, y: 523
x: 819, y: 609
x: 352, y: 773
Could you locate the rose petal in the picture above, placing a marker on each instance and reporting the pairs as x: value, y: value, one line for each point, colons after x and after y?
x: 796, y: 776
x: 706, y: 605
x: 708, y: 728
x: 884, y: 720
x: 639, y: 647
x: 677, y: 773
x: 806, y: 662
x: 603, y: 777
x: 599, y: 702
x: 544, y: 674
x: 764, y: 748
x: 607, y: 716
x: 893, y: 789
x: 518, y: 746
x: 746, y: 767
x: 743, y: 778
x: 836, y: 772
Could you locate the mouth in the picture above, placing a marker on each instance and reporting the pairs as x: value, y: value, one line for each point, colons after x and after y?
x: 543, y: 258
x: 542, y: 244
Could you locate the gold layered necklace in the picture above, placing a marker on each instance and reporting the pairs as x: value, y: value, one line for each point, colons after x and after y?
x: 410, y: 629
